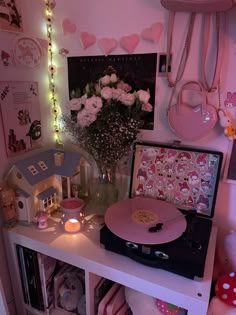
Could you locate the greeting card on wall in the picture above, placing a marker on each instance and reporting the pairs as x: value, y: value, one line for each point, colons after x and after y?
x: 20, y: 112
x: 139, y: 70
x: 10, y: 16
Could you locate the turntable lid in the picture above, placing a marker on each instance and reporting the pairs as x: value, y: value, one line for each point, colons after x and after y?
x: 131, y: 219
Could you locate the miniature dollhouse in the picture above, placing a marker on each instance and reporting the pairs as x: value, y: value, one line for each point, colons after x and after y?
x: 43, y: 180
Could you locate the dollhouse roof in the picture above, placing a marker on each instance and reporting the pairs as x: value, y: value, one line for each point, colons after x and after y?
x: 42, y: 166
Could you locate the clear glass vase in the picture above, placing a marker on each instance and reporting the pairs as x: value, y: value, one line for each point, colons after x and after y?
x: 103, y: 188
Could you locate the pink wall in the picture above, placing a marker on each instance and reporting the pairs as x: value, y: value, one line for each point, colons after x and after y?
x: 114, y: 19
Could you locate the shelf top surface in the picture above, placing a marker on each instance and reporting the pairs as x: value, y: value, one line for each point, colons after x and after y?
x: 85, y: 251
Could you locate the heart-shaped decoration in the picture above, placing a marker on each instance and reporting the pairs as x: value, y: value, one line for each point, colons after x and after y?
x: 68, y: 27
x: 153, y: 33
x: 87, y: 39
x: 130, y: 42
x: 192, y: 122
x: 107, y: 45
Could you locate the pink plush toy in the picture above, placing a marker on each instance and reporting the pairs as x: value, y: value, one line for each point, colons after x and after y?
x: 224, y: 303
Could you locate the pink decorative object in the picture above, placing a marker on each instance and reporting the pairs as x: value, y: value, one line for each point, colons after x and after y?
x: 68, y: 27
x: 230, y: 100
x: 42, y: 218
x: 72, y: 218
x: 107, y: 45
x: 87, y: 39
x: 167, y: 308
x: 130, y: 42
x: 153, y: 33
x: 192, y: 122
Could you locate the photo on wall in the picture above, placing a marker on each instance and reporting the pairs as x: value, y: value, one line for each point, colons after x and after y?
x: 137, y: 70
x: 10, y: 16
x: 230, y: 165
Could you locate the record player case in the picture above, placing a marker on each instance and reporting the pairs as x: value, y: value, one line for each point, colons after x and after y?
x: 186, y: 177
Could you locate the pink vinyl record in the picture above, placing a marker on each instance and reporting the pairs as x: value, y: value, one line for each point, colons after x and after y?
x: 131, y: 219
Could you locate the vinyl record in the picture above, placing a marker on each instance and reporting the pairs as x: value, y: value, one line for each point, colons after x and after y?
x: 131, y: 219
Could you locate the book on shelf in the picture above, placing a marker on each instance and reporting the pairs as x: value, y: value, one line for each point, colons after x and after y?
x: 21, y: 264
x: 100, y: 291
x: 47, y: 270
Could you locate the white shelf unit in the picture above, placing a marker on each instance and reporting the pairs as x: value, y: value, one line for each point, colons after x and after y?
x: 83, y: 250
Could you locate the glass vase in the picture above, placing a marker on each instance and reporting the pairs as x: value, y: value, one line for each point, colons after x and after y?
x: 103, y: 188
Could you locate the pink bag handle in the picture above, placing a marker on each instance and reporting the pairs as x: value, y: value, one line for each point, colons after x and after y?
x: 193, y: 86
x: 220, y: 26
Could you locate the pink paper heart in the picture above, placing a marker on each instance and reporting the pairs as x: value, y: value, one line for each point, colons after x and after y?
x: 87, y: 39
x: 191, y: 122
x: 130, y: 42
x: 107, y: 45
x: 68, y: 27
x: 153, y: 33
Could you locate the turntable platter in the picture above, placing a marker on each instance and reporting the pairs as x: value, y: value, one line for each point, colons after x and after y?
x: 131, y: 219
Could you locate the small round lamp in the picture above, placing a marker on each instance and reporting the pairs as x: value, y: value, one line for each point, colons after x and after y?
x: 72, y: 219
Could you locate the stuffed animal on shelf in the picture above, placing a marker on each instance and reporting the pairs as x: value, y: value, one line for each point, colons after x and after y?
x: 224, y: 303
x: 227, y: 124
x: 142, y: 304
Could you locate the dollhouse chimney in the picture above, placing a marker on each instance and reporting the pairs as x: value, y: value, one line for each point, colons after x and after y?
x: 58, y: 158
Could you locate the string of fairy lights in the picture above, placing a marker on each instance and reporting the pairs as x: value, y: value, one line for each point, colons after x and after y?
x: 49, y: 6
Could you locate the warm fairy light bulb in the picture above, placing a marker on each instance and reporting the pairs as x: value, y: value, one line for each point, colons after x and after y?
x: 52, y: 68
x: 55, y: 110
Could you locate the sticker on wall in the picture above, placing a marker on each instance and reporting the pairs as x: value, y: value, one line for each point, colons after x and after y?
x: 68, y: 27
x: 63, y: 52
x: 153, y: 33
x: 107, y: 45
x: 230, y: 100
x: 10, y: 16
x: 5, y: 58
x: 27, y: 51
x: 129, y: 43
x: 87, y: 39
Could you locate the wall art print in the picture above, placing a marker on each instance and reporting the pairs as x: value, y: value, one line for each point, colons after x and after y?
x: 137, y: 69
x: 20, y: 113
x: 10, y: 16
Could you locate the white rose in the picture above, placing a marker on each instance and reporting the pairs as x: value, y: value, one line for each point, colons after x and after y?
x: 76, y: 103
x: 93, y: 104
x: 143, y: 96
x: 113, y: 78
x: 147, y: 107
x: 106, y: 93
x: 117, y: 94
x: 105, y: 80
x: 127, y: 99
x: 85, y: 118
x: 124, y: 86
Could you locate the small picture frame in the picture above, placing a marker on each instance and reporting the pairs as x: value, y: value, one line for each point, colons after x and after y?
x: 162, y: 65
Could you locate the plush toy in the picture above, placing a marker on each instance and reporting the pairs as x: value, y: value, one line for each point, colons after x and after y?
x: 227, y: 124
x: 224, y: 303
x: 142, y: 304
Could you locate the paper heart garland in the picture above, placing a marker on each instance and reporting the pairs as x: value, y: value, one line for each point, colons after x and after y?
x: 107, y: 44
x: 153, y: 33
x: 87, y: 39
x: 129, y: 43
x: 68, y: 27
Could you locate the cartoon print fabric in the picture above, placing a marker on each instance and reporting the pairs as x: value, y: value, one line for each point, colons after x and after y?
x: 184, y: 178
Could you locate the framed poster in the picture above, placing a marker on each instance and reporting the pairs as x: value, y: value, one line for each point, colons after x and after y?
x: 20, y: 112
x: 10, y: 16
x: 138, y: 70
x: 230, y: 164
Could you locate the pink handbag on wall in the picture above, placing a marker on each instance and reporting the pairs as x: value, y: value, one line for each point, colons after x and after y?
x: 192, y: 122
x: 201, y: 6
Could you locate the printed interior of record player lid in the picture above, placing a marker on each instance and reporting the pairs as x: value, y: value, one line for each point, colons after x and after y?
x: 131, y: 219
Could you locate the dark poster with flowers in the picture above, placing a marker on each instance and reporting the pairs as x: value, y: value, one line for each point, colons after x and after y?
x: 138, y: 70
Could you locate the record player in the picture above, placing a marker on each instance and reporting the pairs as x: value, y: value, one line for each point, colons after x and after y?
x: 166, y: 221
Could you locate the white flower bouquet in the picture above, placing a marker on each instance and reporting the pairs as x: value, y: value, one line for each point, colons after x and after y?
x: 107, y: 118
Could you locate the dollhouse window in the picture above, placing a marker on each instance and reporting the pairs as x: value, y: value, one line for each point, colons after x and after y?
x: 32, y: 169
x: 42, y: 165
